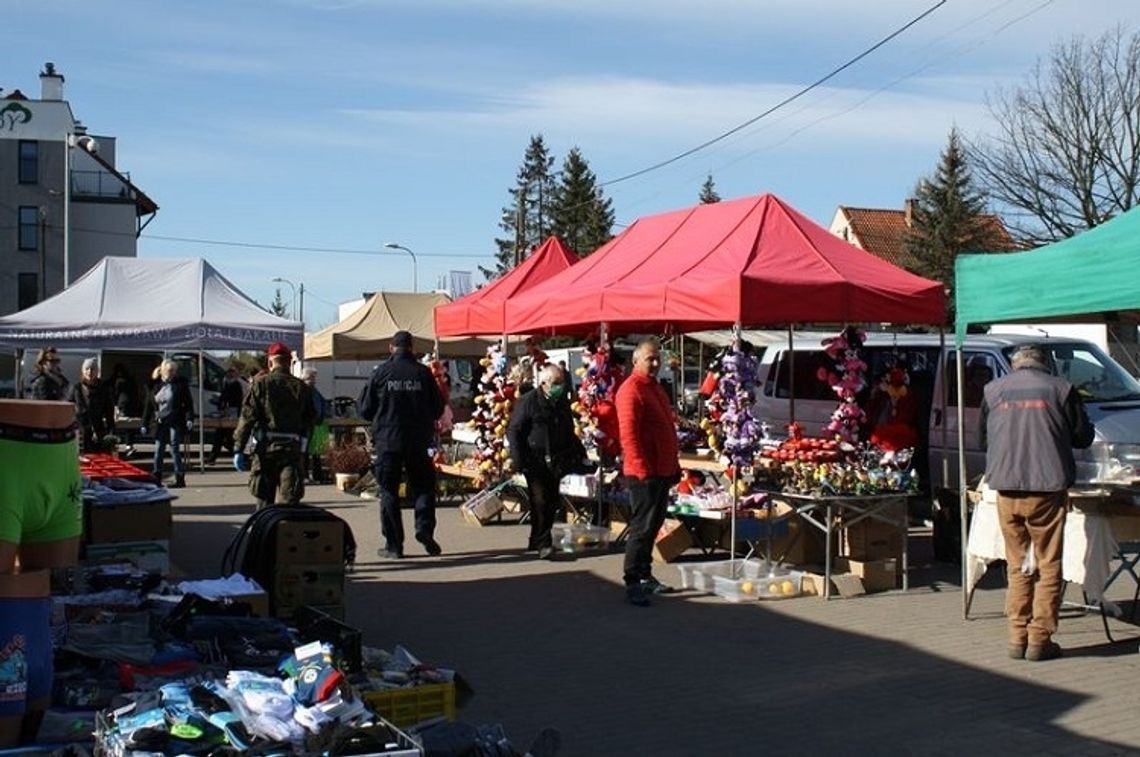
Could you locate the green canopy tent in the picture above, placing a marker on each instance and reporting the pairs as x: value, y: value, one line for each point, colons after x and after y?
x: 1092, y: 276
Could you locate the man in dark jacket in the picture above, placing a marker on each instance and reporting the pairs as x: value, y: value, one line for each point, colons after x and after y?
x: 544, y: 448
x: 278, y: 413
x: 403, y: 403
x: 1031, y: 421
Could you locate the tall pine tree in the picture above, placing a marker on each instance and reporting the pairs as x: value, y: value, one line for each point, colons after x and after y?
x: 708, y: 192
x: 948, y: 219
x: 583, y: 218
x: 528, y: 218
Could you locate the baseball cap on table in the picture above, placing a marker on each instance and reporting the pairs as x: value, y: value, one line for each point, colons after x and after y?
x: 402, y: 339
x: 278, y: 348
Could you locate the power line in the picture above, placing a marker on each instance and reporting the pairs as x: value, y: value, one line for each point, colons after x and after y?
x: 782, y: 103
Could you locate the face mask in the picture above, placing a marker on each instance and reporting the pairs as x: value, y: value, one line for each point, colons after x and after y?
x: 555, y: 391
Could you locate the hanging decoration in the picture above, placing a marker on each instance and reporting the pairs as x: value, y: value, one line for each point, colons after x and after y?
x: 734, y: 431
x: 847, y: 380
x: 596, y: 415
x: 497, y: 394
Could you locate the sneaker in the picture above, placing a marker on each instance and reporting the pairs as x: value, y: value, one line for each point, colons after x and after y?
x: 545, y: 553
x: 389, y: 554
x: 636, y: 594
x: 1016, y: 651
x: 653, y: 586
x: 1042, y: 652
x: 431, y: 545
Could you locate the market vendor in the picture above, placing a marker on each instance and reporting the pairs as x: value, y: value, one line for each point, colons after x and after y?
x: 544, y: 448
x: 41, y: 518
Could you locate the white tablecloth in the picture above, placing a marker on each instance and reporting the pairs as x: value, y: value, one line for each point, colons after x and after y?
x: 1089, y: 546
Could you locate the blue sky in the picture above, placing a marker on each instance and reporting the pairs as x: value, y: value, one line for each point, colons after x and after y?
x: 350, y: 123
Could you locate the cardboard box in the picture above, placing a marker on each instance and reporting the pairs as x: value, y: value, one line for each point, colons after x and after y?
x: 803, y: 544
x: 310, y: 543
x: 672, y: 540
x: 813, y: 580
x: 877, y: 575
x: 297, y: 585
x: 872, y: 539
x: 145, y: 555
x: 142, y: 521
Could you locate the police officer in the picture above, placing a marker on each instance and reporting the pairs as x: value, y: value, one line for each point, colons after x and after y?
x: 403, y: 403
x: 278, y: 412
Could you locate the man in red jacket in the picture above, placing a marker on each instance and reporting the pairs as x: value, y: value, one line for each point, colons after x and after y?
x: 651, y: 465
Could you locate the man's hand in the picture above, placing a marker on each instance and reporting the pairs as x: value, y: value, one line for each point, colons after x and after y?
x: 241, y: 462
x: 189, y: 426
x: 142, y: 431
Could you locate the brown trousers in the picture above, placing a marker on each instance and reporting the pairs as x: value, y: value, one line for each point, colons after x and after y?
x: 1037, y: 520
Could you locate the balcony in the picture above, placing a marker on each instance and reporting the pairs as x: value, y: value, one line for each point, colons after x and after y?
x: 101, y: 185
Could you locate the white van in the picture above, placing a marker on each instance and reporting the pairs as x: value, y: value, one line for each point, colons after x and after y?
x: 1111, y: 396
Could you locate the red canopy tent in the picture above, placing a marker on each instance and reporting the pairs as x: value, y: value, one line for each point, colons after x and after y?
x: 484, y: 310
x: 752, y: 261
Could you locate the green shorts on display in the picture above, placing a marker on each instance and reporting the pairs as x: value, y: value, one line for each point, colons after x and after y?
x: 41, y: 492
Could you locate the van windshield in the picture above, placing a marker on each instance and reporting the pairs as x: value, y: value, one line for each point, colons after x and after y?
x: 1095, y: 375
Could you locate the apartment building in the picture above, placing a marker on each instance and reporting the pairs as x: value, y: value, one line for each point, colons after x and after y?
x: 64, y: 204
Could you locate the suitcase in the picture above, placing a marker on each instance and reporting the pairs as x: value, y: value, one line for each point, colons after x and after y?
x: 283, y: 538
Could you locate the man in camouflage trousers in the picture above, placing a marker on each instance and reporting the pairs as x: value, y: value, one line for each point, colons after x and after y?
x: 278, y: 412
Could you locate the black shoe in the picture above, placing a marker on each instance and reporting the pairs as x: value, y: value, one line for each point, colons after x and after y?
x: 546, y: 553
x: 1050, y: 650
x: 179, y: 481
x: 431, y: 545
x: 390, y: 554
x: 635, y: 594
x: 653, y: 586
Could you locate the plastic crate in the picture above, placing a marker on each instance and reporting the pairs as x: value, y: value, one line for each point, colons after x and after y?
x: 699, y: 576
x: 781, y: 586
x: 482, y: 507
x: 736, y: 589
x: 414, y: 704
x: 580, y: 537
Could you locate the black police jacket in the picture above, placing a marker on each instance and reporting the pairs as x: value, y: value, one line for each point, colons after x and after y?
x: 403, y: 402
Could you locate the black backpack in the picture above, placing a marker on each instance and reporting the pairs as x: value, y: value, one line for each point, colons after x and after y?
x: 253, y: 551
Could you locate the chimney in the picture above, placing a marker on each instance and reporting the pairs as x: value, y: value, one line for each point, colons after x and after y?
x: 908, y: 212
x: 51, y: 83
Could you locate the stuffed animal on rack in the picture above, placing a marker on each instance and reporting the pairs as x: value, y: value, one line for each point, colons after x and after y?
x: 596, y: 414
x: 847, y: 380
x: 493, y: 403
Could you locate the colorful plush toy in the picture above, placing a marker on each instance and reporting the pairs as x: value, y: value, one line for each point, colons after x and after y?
x: 497, y: 394
x: 847, y: 380
x: 596, y: 413
x: 734, y: 432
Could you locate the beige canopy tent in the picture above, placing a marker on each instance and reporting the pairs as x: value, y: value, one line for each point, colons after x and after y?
x: 365, y: 334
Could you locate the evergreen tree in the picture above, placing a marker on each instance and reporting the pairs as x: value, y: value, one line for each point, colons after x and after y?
x: 278, y: 307
x: 948, y: 219
x: 583, y: 218
x: 527, y: 219
x: 708, y: 192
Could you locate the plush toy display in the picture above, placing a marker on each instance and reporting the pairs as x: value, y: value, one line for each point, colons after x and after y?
x: 847, y: 380
x: 734, y: 432
x: 596, y: 414
x: 492, y: 412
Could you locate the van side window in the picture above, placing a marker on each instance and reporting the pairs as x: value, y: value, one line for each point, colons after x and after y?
x: 980, y: 370
x: 807, y: 383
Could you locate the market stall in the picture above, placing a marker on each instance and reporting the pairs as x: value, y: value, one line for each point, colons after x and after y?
x: 1100, y: 282
x: 748, y: 262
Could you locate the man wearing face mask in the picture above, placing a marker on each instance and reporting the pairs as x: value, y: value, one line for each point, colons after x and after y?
x: 544, y: 448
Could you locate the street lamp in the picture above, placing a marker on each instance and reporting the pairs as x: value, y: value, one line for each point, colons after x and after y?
x: 292, y: 289
x: 395, y: 246
x: 71, y: 141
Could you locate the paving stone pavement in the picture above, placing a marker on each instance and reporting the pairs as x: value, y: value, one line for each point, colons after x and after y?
x: 554, y: 644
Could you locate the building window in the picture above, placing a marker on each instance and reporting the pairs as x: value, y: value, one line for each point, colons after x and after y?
x: 27, y: 290
x: 29, y: 228
x: 29, y: 171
